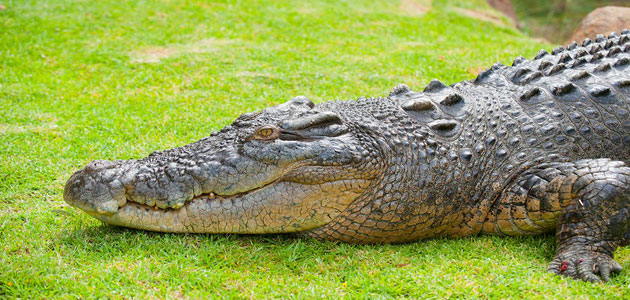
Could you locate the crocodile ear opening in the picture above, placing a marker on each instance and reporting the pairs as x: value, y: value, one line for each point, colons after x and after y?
x: 319, y: 119
x: 313, y: 126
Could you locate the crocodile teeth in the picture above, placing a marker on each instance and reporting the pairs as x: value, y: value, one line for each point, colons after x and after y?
x: 178, y: 204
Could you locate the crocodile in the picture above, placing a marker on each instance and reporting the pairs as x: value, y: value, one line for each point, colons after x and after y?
x: 540, y: 146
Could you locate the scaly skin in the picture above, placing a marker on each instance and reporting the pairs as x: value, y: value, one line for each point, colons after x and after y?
x: 536, y: 147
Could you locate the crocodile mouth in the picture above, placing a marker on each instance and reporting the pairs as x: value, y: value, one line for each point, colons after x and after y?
x: 207, y: 197
x: 289, y: 201
x: 202, y: 197
x: 194, y: 215
x: 277, y: 207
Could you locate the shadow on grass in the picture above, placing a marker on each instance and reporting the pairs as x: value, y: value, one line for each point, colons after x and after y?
x: 106, y: 242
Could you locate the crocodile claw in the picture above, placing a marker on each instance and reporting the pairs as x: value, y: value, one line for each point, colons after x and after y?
x: 586, y: 265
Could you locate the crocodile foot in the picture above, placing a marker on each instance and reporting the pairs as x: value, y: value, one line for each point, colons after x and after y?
x: 583, y: 264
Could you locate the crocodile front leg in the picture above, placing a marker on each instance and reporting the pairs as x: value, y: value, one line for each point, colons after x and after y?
x: 587, y: 201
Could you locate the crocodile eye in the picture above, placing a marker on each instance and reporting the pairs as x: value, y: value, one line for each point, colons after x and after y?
x: 266, y: 133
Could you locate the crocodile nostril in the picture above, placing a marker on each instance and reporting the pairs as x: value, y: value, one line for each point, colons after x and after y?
x: 97, y: 165
x: 89, y: 190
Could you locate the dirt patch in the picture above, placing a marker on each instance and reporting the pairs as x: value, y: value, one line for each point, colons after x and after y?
x: 12, y: 129
x: 415, y: 7
x: 481, y: 15
x: 505, y: 7
x: 45, y: 122
x: 306, y: 10
x: 154, y: 54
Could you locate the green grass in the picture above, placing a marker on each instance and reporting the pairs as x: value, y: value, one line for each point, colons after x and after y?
x: 85, y: 80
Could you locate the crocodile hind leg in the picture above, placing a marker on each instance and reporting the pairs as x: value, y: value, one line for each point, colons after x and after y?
x: 587, y: 201
x: 595, y: 223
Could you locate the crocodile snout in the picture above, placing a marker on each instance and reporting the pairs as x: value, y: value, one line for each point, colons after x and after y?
x: 96, y: 188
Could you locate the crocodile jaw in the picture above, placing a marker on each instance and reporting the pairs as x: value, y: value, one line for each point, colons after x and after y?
x: 278, y: 208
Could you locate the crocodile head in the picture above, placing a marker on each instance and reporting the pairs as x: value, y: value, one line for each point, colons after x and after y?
x: 289, y: 168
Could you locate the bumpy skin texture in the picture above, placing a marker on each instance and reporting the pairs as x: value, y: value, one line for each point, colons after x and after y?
x: 540, y: 146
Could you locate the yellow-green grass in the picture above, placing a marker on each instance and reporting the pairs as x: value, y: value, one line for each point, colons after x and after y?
x: 85, y: 80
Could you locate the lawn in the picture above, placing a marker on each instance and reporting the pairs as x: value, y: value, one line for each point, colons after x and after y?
x: 83, y: 80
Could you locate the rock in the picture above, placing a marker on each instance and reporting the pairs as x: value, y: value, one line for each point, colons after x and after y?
x: 505, y: 7
x: 603, y: 20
